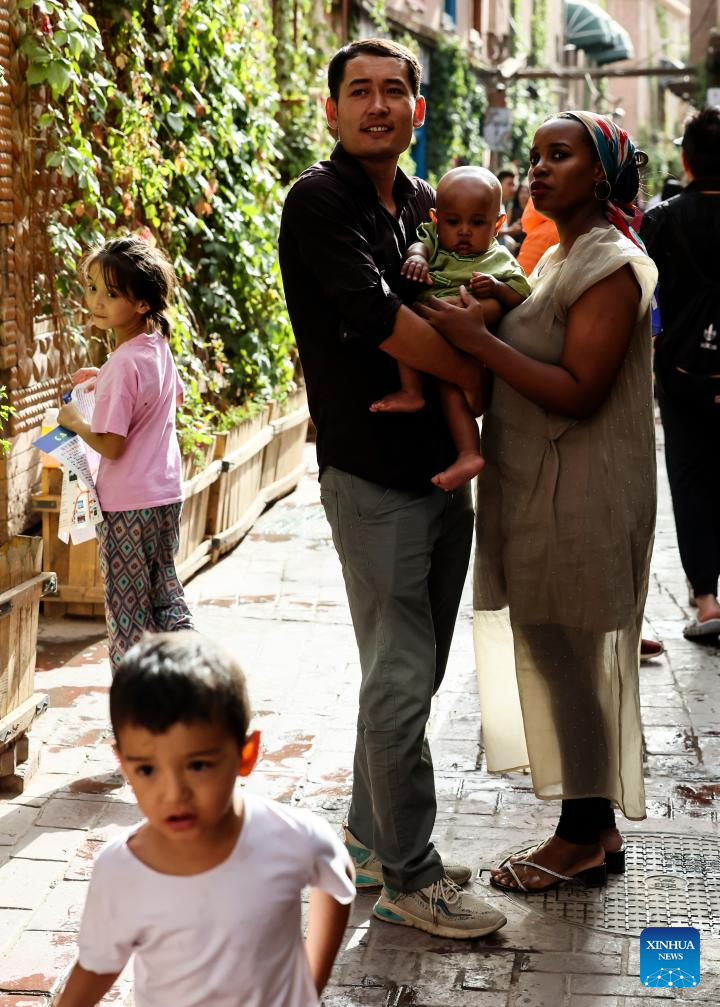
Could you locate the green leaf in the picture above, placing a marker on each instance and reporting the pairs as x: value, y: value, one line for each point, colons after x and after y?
x: 37, y: 73
x: 59, y: 76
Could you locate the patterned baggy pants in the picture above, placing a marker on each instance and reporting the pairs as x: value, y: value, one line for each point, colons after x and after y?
x: 142, y: 591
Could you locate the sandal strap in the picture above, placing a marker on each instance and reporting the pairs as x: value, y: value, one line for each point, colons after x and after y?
x: 509, y: 867
x: 539, y: 867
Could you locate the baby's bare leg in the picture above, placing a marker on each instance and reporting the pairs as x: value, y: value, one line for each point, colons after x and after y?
x: 466, y: 437
x: 409, y: 399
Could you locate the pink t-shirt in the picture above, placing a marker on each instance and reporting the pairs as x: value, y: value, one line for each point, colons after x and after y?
x: 135, y: 397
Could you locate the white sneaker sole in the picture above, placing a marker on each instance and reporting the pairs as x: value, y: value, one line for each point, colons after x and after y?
x: 402, y: 918
x: 696, y: 629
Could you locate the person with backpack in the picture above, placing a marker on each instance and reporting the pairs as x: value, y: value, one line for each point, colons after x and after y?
x: 681, y: 236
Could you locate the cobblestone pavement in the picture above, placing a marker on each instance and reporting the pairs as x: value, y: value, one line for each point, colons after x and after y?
x: 278, y: 601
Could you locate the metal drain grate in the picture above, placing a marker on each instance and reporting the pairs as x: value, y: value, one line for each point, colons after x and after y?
x: 670, y: 880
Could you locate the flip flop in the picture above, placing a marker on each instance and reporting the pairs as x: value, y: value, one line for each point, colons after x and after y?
x: 614, y: 859
x: 695, y: 629
x: 593, y: 877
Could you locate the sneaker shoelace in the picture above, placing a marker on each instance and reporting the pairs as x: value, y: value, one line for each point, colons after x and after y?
x: 447, y: 890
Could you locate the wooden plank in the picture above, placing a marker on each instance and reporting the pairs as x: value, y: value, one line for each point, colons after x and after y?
x: 78, y: 594
x: 291, y: 420
x: 14, y: 595
x: 281, y: 487
x: 45, y: 502
x: 17, y: 721
x: 203, y: 479
x: 197, y: 559
x: 249, y: 448
x: 225, y: 540
x: 228, y: 441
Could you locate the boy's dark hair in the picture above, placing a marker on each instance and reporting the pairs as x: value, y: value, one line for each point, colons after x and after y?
x: 136, y: 269
x: 372, y: 47
x: 175, y: 678
x: 506, y: 173
x: 701, y: 142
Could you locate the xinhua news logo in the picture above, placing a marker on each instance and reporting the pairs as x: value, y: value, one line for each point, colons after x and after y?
x: 670, y: 956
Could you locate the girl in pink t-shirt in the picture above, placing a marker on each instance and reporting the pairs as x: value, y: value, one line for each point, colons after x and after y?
x: 128, y: 285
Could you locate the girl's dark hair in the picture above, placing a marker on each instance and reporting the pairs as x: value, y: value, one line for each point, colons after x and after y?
x: 172, y: 678
x: 137, y: 270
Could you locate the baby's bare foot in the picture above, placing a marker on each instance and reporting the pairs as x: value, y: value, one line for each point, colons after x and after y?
x: 399, y: 402
x: 465, y: 468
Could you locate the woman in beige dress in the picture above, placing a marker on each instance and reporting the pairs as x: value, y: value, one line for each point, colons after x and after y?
x: 566, y: 506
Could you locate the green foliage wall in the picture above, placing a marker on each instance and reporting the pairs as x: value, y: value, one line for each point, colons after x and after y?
x: 303, y: 43
x: 456, y: 108
x: 531, y: 102
x: 166, y: 117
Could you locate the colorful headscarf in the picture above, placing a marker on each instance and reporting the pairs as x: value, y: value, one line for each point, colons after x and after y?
x: 617, y: 154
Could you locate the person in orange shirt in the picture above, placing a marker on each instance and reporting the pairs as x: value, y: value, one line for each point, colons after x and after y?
x: 540, y: 234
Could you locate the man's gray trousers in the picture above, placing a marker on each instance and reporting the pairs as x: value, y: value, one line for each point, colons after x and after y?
x: 404, y: 557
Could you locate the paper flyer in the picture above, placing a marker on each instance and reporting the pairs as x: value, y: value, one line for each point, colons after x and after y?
x: 79, y: 510
x: 79, y: 505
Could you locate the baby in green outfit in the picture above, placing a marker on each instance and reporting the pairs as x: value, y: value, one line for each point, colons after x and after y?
x: 459, y: 247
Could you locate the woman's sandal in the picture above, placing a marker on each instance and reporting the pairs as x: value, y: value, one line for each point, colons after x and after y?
x: 593, y: 877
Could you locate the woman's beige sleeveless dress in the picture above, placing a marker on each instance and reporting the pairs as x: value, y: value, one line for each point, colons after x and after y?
x: 565, y: 521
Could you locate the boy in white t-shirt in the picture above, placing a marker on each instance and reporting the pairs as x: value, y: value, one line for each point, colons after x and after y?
x: 206, y: 891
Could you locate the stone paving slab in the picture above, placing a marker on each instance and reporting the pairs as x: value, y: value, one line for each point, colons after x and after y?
x: 278, y: 601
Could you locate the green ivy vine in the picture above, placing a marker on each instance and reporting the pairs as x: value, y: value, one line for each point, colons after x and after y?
x: 302, y: 41
x: 6, y: 411
x: 531, y: 102
x: 538, y: 33
x: 456, y: 109
x: 164, y: 118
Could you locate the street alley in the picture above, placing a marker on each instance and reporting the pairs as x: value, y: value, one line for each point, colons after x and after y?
x: 278, y: 602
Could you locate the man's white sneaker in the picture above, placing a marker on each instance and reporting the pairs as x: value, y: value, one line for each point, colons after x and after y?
x: 442, y: 909
x: 369, y: 872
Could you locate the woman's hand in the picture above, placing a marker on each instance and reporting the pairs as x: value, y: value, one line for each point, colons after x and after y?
x: 463, y: 326
x: 69, y: 417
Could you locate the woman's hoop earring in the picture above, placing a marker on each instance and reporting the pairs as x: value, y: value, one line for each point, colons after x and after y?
x: 605, y: 195
x: 641, y: 158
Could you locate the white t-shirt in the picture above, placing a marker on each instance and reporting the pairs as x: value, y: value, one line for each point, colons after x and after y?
x: 231, y: 936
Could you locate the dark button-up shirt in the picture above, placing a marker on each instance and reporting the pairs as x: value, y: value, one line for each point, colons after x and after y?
x: 697, y: 215
x: 340, y: 253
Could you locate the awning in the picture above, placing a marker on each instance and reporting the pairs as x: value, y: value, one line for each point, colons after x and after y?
x: 587, y: 25
x: 590, y: 28
x: 621, y: 48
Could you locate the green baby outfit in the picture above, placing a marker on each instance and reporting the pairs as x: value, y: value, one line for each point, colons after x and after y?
x: 448, y: 270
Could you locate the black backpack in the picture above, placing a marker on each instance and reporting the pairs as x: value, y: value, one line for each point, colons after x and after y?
x: 687, y: 350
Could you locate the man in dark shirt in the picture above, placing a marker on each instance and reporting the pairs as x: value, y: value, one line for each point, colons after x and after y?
x: 681, y: 235
x: 403, y: 543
